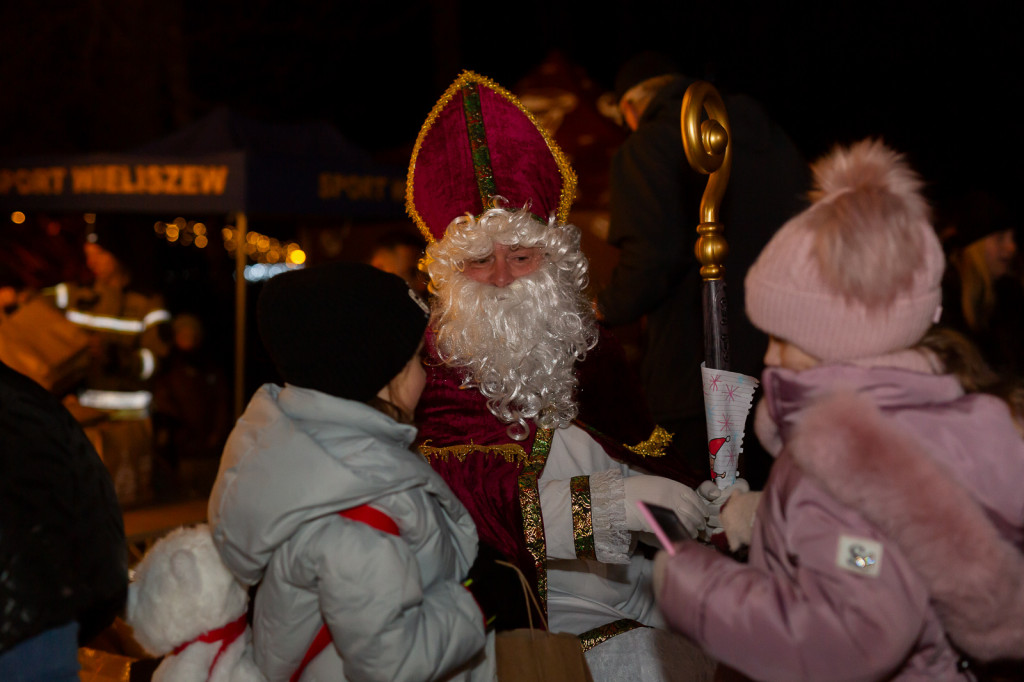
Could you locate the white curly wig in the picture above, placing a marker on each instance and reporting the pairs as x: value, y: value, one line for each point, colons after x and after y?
x: 518, y: 344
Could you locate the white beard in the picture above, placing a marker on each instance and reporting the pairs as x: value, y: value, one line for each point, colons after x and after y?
x: 518, y: 344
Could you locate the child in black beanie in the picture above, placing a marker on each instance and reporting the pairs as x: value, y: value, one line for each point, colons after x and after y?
x: 351, y: 536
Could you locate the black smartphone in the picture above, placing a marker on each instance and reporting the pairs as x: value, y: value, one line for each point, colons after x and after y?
x: 666, y: 525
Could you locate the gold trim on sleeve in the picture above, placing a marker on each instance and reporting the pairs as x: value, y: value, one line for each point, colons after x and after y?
x: 582, y: 521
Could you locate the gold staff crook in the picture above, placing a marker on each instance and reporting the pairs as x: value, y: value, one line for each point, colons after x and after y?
x: 708, y: 150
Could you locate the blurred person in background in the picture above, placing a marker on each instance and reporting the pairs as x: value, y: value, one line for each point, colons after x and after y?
x: 982, y: 293
x: 191, y: 413
x: 129, y: 336
x: 655, y: 208
x: 399, y: 253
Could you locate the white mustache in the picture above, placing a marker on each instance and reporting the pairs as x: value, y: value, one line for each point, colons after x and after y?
x: 515, y: 343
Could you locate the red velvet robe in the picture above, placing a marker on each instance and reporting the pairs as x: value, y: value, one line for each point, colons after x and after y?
x: 496, y: 477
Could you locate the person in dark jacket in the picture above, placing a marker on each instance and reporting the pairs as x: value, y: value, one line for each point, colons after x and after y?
x: 655, y: 202
x: 63, y: 558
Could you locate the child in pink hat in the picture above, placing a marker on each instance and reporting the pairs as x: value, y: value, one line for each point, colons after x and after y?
x: 883, y: 544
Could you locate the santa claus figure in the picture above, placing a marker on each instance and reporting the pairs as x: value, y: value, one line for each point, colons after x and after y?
x: 529, y: 412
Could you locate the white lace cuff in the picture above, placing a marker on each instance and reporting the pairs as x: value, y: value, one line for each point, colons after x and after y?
x: 608, y: 514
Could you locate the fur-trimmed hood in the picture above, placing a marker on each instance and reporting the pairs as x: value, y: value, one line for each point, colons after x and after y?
x: 854, y: 443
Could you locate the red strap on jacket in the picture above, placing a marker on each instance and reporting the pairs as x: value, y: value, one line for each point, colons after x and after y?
x: 225, y: 635
x: 375, y: 519
x: 371, y: 517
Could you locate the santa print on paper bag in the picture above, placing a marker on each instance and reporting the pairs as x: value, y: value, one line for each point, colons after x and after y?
x: 714, y: 445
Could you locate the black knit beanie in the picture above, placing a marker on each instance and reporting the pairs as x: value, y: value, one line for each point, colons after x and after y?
x: 346, y: 329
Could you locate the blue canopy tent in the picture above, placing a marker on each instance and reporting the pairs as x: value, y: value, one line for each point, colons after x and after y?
x: 224, y: 163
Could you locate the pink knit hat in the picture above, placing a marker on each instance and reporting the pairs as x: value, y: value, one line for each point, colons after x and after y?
x: 858, y: 273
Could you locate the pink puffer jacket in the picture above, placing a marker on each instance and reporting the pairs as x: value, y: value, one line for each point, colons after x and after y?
x: 885, y: 534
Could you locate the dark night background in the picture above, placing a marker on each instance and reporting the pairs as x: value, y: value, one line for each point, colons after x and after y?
x: 110, y: 75
x: 106, y: 75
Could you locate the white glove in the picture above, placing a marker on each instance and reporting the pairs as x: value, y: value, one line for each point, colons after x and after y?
x: 689, y: 507
x: 716, y: 498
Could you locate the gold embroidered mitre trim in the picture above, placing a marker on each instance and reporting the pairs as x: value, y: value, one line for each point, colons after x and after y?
x: 567, y: 194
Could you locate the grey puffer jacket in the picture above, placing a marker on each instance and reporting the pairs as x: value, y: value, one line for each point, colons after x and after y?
x: 884, y: 540
x: 394, y: 605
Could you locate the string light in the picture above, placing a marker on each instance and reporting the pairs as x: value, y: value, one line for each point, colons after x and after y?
x: 260, y: 249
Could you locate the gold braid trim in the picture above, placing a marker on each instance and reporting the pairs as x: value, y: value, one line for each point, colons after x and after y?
x: 653, y: 446
x: 533, y: 522
x: 568, y: 192
x: 591, y: 638
x: 582, y: 521
x: 511, y: 453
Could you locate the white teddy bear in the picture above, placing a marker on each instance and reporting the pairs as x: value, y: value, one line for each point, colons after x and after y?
x: 184, y: 603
